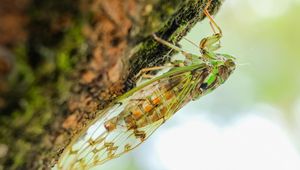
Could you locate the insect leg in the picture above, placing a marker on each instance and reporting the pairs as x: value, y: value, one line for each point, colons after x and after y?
x: 172, y: 46
x: 211, y: 20
x: 209, y: 43
x: 142, y: 72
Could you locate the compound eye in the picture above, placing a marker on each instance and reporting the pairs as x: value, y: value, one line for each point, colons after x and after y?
x: 203, y: 86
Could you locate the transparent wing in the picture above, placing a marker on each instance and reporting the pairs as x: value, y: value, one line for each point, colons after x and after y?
x: 117, y: 131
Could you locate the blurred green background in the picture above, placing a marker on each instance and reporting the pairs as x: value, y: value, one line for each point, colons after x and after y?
x: 253, y: 120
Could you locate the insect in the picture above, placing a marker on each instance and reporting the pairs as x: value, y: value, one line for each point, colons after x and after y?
x: 135, y: 115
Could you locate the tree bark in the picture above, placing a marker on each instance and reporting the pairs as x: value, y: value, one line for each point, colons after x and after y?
x: 71, y: 59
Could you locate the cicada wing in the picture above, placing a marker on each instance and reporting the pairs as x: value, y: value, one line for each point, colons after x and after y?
x: 73, y: 153
x: 123, y: 140
x: 119, y: 142
x: 98, y: 144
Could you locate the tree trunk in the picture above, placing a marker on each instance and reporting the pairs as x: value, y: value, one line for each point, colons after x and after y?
x: 61, y: 61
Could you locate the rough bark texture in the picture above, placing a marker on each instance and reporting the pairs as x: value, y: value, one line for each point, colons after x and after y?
x: 60, y: 61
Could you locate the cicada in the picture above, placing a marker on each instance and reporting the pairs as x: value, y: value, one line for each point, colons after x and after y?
x: 134, y: 116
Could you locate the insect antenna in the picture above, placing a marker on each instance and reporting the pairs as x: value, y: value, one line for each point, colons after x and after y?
x: 244, y: 64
